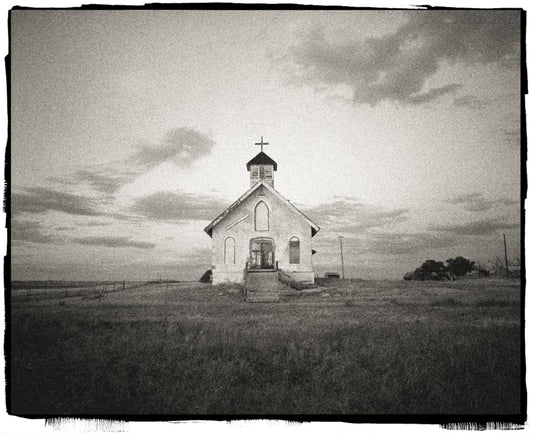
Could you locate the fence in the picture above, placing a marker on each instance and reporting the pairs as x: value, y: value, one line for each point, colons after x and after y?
x: 93, y: 290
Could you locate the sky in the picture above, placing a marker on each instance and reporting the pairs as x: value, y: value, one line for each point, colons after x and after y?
x: 130, y: 132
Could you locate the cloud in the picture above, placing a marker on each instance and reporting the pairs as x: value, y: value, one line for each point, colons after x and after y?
x: 30, y: 231
x: 113, y: 242
x: 405, y: 244
x: 103, y: 182
x: 365, y: 247
x: 90, y: 224
x: 470, y: 102
x: 432, y: 94
x: 479, y: 227
x: 41, y: 200
x: 475, y: 202
x: 512, y: 136
x: 182, y: 146
x: 347, y: 215
x: 398, y: 66
x: 178, y: 206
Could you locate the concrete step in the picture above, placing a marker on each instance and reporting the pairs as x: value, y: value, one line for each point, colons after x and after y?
x: 262, y: 278
x: 263, y: 295
x: 262, y: 300
x: 262, y: 287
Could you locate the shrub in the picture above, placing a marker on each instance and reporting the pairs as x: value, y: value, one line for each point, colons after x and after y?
x: 431, y: 270
x: 460, y: 266
x: 207, y: 276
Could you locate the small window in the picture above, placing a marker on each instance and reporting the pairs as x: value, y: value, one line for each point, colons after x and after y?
x: 268, y: 173
x: 229, y: 251
x: 255, y: 172
x: 261, y: 217
x: 294, y: 250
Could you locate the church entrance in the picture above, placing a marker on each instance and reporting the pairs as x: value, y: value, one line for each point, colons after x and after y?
x: 261, y: 254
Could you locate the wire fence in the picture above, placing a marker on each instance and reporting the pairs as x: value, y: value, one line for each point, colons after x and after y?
x: 91, y: 290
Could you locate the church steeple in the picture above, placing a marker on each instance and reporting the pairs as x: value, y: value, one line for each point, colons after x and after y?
x: 262, y: 167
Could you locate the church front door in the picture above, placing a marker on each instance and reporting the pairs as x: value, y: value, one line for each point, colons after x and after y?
x: 261, y: 253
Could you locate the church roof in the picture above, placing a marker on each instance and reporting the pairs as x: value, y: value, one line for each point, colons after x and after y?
x: 209, y: 228
x: 261, y: 158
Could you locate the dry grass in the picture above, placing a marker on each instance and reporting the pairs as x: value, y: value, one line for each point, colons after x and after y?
x: 366, y: 348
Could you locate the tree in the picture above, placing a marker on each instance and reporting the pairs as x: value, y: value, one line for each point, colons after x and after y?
x: 431, y: 270
x: 460, y: 266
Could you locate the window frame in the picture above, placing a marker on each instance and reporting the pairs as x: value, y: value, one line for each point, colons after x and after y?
x: 292, y: 239
x: 226, y: 262
x: 267, y: 217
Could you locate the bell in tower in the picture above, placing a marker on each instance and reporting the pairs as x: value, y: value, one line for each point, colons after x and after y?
x: 262, y: 167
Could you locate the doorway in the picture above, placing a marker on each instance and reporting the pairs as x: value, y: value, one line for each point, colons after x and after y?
x: 262, y: 254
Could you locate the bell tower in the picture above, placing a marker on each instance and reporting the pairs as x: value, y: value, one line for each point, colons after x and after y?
x: 262, y: 167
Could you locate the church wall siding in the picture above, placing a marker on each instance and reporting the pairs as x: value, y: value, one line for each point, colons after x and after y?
x: 284, y: 223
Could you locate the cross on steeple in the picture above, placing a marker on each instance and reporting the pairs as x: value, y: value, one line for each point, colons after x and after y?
x: 262, y: 143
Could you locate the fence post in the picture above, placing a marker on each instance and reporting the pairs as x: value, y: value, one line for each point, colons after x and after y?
x: 123, y: 285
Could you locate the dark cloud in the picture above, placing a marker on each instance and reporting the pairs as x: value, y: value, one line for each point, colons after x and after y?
x: 470, y: 102
x: 181, y: 145
x: 462, y: 198
x: 479, y: 227
x: 30, y: 231
x: 506, y: 202
x: 178, y: 206
x: 432, y: 94
x: 192, y: 257
x: 346, y: 215
x: 475, y: 202
x: 90, y: 224
x: 103, y: 182
x: 397, y: 66
x: 113, y: 242
x: 40, y: 200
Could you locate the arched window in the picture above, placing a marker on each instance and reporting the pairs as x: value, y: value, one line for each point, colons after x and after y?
x: 261, y: 217
x: 229, y: 251
x: 294, y: 250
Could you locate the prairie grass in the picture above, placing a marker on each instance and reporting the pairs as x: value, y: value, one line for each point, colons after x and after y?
x: 375, y: 348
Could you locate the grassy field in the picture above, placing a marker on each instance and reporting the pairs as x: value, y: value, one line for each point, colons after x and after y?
x: 358, y: 347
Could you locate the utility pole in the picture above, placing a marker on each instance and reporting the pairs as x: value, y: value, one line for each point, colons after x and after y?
x: 505, y: 249
x: 342, y: 256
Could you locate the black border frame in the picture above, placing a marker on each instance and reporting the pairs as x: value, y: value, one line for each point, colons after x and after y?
x: 479, y: 421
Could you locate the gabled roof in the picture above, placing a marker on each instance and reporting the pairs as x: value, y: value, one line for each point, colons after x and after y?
x: 209, y: 228
x: 261, y: 158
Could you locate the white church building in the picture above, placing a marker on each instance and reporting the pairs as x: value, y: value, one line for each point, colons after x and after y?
x: 261, y: 231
